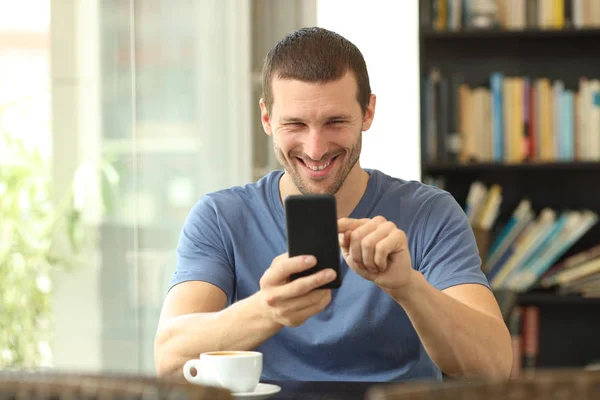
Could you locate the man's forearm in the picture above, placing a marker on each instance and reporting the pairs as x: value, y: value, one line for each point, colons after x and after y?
x: 241, y: 326
x: 461, y: 341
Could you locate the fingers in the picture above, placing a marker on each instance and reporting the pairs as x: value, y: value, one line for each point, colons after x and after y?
x: 299, y: 287
x: 299, y: 312
x: 375, y: 247
x: 303, y: 302
x: 345, y: 228
x: 279, y: 258
x: 371, y: 243
x: 394, y: 242
x: 282, y: 267
x: 356, y: 247
x: 350, y: 224
x: 291, y: 303
x: 344, y: 241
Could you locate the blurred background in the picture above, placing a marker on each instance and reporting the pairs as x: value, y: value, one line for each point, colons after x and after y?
x: 115, y: 117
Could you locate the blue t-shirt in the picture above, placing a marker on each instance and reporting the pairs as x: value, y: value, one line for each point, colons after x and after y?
x: 231, y: 237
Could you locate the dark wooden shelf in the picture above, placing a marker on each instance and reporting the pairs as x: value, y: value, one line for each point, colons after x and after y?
x: 541, y: 299
x: 560, y: 53
x: 427, y: 34
x: 445, y: 168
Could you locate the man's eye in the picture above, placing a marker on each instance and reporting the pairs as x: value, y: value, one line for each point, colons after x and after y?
x: 336, y: 122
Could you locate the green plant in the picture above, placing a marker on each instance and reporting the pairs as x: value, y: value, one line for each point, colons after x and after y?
x: 37, y: 237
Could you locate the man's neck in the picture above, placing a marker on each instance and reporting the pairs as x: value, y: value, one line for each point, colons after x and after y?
x: 347, y: 197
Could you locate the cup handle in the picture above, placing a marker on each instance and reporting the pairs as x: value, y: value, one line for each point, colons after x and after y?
x: 187, y: 371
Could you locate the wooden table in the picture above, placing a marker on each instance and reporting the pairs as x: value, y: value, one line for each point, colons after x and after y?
x: 322, y: 390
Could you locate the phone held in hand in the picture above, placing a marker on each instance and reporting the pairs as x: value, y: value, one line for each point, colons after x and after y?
x: 311, y: 223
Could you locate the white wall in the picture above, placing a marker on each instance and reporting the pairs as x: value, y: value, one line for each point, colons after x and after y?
x: 386, y: 32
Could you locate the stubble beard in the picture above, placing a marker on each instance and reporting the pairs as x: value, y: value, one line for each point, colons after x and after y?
x: 292, y: 169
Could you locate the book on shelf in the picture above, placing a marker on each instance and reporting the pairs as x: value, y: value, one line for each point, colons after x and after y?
x: 483, y: 205
x: 456, y: 15
x: 578, y: 274
x: 513, y: 119
x: 524, y: 327
x: 527, y: 247
x: 514, y: 327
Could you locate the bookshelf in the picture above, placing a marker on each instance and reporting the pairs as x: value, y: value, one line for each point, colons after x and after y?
x: 539, y: 45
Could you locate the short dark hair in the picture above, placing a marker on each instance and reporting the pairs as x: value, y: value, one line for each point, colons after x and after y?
x: 315, y: 55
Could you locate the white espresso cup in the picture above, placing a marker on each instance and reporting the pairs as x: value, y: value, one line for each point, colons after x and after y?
x: 237, y: 371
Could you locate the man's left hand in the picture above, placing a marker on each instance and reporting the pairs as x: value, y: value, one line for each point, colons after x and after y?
x: 376, y: 250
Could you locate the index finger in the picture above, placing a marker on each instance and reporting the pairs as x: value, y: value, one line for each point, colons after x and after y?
x: 281, y: 270
x: 350, y: 224
x: 280, y: 257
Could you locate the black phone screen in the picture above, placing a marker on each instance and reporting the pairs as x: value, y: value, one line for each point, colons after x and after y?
x: 312, y: 230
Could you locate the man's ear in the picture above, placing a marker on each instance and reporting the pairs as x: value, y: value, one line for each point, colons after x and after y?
x: 265, y: 118
x: 369, y: 113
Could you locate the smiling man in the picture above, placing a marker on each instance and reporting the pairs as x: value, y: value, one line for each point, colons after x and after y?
x: 413, y: 302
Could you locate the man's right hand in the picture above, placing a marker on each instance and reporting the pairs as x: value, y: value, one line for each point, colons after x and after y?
x: 196, y: 319
x: 291, y: 303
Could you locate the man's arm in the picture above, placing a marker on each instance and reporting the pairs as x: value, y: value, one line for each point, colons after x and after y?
x: 455, y: 315
x: 460, y: 327
x: 194, y: 318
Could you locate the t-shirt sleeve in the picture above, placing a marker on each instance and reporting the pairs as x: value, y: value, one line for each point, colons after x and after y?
x: 201, y: 251
x: 450, y: 255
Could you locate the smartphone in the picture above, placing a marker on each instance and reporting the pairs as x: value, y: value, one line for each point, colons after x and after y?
x: 311, y: 223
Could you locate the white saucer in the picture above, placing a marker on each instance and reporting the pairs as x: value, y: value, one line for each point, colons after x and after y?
x: 262, y: 391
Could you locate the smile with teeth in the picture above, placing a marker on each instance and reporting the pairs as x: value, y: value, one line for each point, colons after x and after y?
x: 318, y: 166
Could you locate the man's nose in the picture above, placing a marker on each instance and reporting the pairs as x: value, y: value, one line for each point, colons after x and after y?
x: 316, y: 144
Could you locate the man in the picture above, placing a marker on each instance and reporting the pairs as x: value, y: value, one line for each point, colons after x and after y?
x: 413, y: 302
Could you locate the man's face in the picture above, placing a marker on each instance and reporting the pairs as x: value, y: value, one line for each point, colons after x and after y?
x: 317, y: 131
